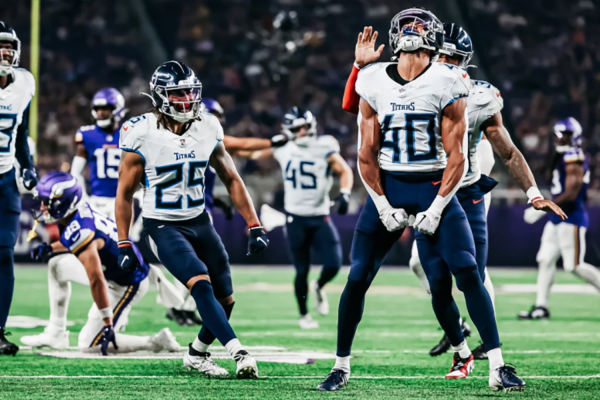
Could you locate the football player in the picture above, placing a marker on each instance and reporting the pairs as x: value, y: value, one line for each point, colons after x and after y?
x: 17, y: 88
x: 566, y: 239
x: 169, y: 150
x: 307, y: 162
x: 92, y: 237
x: 413, y: 127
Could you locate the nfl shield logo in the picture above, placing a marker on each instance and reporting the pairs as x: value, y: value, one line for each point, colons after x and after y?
x: 402, y: 92
x: 182, y: 142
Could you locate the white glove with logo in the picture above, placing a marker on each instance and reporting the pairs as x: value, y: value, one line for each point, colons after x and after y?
x: 531, y: 215
x: 392, y: 218
x: 427, y: 221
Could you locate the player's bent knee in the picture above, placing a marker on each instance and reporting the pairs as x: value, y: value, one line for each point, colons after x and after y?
x: 440, y: 286
x: 462, y: 261
x: 226, y: 301
x: 467, y: 279
x: 190, y: 283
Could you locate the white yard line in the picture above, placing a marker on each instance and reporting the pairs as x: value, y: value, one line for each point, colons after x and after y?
x: 559, y: 377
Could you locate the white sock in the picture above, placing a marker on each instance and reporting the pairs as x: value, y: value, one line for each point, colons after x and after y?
x: 490, y: 288
x: 342, y: 363
x: 544, y: 283
x: 495, y: 357
x: 462, y: 349
x: 233, y: 347
x: 588, y: 273
x: 199, y: 346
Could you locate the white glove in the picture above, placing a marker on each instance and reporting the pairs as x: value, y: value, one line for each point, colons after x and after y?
x: 427, y: 221
x: 394, y: 218
x: 531, y: 215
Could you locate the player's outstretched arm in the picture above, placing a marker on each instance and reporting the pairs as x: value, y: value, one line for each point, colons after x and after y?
x: 255, y: 155
x: 502, y: 144
x: 237, y: 146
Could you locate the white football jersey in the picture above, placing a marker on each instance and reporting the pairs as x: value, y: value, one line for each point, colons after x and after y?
x: 410, y: 115
x: 174, y: 165
x: 307, y: 176
x: 14, y: 100
x: 483, y: 102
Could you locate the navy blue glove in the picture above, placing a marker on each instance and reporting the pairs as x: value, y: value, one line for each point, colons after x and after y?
x: 343, y: 201
x: 258, y: 240
x: 279, y: 140
x: 30, y: 179
x: 108, y: 336
x: 42, y: 252
x: 127, y: 260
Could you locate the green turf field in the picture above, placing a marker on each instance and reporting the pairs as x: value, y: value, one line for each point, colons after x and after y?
x: 560, y: 359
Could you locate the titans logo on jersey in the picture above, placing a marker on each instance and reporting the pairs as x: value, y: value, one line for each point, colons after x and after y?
x: 576, y: 212
x: 87, y: 225
x: 306, y: 175
x: 103, y: 158
x: 410, y: 112
x: 174, y: 165
x: 14, y: 114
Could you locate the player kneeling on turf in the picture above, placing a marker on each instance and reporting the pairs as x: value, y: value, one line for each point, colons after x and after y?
x: 92, y: 237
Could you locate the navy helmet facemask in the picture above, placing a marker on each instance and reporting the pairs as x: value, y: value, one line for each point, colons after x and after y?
x: 294, y: 120
x: 9, y: 57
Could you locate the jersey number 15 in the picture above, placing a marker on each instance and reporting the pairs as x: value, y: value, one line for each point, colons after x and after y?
x: 107, y: 163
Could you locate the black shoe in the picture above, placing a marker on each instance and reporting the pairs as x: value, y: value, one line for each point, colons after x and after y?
x: 192, y: 318
x: 178, y: 316
x: 505, y: 378
x: 479, y: 352
x: 336, y: 380
x: 444, y: 344
x: 6, y: 347
x: 535, y: 312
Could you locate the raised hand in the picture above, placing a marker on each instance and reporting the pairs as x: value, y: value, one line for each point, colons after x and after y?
x: 365, y: 52
x: 549, y: 206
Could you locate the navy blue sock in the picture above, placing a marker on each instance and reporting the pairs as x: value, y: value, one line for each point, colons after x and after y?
x: 205, y: 335
x: 7, y: 283
x: 212, y: 313
x: 445, y: 309
x: 352, y: 304
x: 327, y: 274
x: 301, y: 291
x: 479, y: 306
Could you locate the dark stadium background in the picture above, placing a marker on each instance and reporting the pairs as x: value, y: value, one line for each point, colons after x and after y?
x: 260, y: 57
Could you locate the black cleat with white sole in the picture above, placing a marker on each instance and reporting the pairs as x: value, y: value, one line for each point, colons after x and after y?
x: 193, y: 318
x: 536, y: 312
x: 179, y: 316
x: 7, y: 348
x: 336, y: 380
x: 444, y: 344
x: 479, y: 352
x: 505, y: 378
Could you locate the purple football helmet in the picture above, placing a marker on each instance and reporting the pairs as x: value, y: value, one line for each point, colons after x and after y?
x: 572, y: 126
x: 109, y: 97
x: 212, y: 106
x: 60, y: 192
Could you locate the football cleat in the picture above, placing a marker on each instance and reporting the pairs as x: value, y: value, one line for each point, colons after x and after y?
x: 178, y: 316
x: 461, y: 367
x: 6, y: 347
x: 505, y: 378
x: 164, y: 340
x: 192, y: 318
x: 306, y: 322
x: 536, y: 312
x: 321, y: 297
x: 336, y: 380
x: 58, y: 340
x: 444, y: 344
x: 479, y: 352
x: 246, y: 365
x: 202, y: 362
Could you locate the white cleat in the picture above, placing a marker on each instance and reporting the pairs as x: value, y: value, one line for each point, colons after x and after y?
x: 164, y: 340
x: 56, y: 340
x: 246, y: 365
x: 321, y: 296
x: 204, y: 364
x: 306, y: 322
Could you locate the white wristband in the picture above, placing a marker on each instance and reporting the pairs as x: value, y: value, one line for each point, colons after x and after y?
x: 439, y: 203
x: 356, y: 65
x: 346, y: 191
x: 381, y: 203
x: 106, y: 312
x: 534, y: 194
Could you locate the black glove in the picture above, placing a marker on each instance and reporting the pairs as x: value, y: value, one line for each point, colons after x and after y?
x: 258, y: 240
x: 225, y: 207
x: 30, y: 179
x: 127, y: 260
x: 108, y: 336
x: 279, y: 140
x: 42, y: 252
x: 343, y: 201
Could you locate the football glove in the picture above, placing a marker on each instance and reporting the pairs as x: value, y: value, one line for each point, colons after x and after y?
x: 343, y: 201
x: 127, y: 259
x: 279, y: 140
x: 428, y: 221
x: 108, y: 336
x: 258, y: 240
x: 394, y: 218
x: 30, y: 179
x: 41, y: 252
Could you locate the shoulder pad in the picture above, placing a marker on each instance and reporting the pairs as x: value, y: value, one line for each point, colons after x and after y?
x: 483, y: 93
x: 87, y: 128
x: 453, y: 74
x: 27, y: 77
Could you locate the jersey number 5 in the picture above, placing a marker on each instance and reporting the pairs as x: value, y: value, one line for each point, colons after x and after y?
x: 192, y: 181
x: 7, y: 126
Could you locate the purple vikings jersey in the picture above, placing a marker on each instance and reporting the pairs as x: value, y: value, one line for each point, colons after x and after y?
x: 87, y: 225
x: 103, y: 158
x: 209, y: 185
x: 576, y: 211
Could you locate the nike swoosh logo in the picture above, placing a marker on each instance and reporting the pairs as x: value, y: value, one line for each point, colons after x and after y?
x: 262, y: 240
x: 464, y: 75
x: 436, y: 183
x: 125, y: 259
x: 477, y: 201
x: 125, y: 128
x: 162, y: 226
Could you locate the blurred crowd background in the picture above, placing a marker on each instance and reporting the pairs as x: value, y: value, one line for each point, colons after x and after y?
x: 260, y: 57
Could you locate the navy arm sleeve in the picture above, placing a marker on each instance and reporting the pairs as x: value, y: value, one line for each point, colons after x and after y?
x: 21, y: 145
